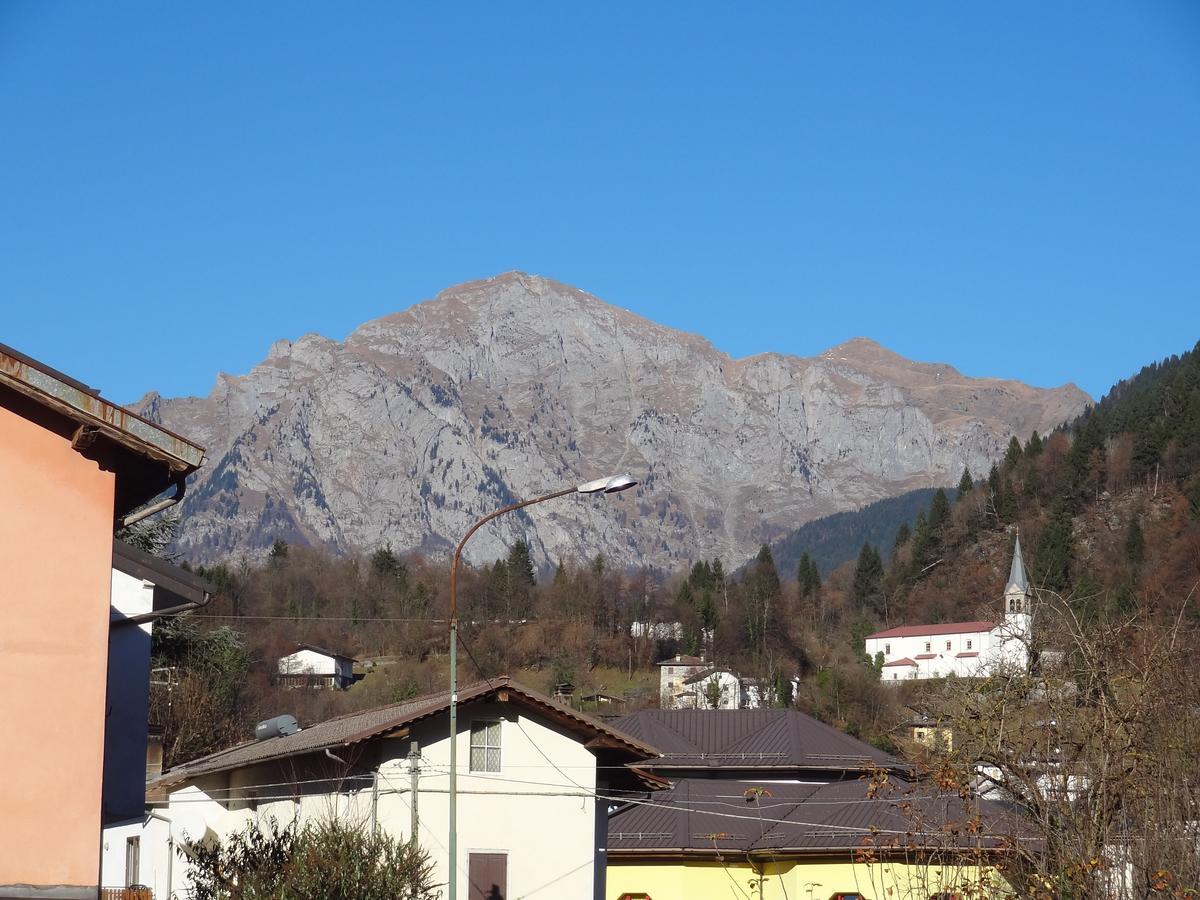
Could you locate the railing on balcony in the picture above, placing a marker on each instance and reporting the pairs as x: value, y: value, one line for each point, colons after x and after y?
x: 129, y: 893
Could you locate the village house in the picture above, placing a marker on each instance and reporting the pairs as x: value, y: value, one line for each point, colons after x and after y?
x: 774, y: 804
x: 316, y: 667
x: 966, y: 649
x: 533, y: 785
x: 144, y: 589
x: 73, y: 468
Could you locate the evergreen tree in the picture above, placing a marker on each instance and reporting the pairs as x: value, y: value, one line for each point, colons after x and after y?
x: 939, y: 511
x: 1033, y: 446
x: 520, y: 564
x: 965, y: 484
x: 1135, y: 545
x: 762, y: 594
x: 867, y: 588
x: 1055, y: 550
x: 808, y: 576
x: 903, y: 533
x: 1013, y: 454
x: 277, y: 556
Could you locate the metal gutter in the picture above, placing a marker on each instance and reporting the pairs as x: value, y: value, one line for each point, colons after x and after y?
x: 85, y: 405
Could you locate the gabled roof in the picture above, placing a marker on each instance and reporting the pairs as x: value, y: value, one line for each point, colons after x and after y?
x: 386, y: 720
x: 761, y: 739
x: 300, y: 645
x: 979, y: 627
x: 683, y: 661
x: 700, y: 816
x: 706, y: 673
x: 902, y: 662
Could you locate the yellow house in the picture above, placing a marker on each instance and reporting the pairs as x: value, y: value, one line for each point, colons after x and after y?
x: 767, y: 804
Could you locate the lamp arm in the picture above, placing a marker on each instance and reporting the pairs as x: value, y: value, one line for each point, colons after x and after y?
x: 466, y: 537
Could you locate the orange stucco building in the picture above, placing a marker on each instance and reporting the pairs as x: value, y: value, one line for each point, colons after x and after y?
x: 71, y: 465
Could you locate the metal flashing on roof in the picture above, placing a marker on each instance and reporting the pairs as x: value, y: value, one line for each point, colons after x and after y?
x: 77, y: 401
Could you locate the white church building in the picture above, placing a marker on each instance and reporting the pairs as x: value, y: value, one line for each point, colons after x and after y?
x: 966, y: 649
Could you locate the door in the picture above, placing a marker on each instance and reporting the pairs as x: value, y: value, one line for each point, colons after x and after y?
x: 488, y: 876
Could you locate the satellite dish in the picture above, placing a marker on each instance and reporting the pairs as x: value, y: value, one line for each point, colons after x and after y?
x: 188, y: 827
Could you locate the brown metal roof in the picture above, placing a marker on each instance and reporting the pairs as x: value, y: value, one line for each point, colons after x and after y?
x: 355, y: 727
x: 714, y: 815
x: 979, y: 627
x: 749, y: 739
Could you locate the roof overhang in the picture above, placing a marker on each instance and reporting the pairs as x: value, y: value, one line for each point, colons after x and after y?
x: 96, y: 418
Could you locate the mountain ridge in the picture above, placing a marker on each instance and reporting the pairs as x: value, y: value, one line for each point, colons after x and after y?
x: 422, y: 419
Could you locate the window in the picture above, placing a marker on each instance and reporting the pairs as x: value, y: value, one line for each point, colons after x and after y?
x: 887, y: 649
x: 133, y: 861
x: 927, y: 646
x: 848, y: 896
x: 968, y: 645
x: 485, y: 746
x: 487, y: 876
x: 947, y: 645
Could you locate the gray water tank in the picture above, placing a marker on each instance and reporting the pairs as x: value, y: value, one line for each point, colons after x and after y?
x: 280, y: 726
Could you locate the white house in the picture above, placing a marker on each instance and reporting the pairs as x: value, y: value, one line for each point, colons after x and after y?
x: 673, y: 672
x: 968, y: 649
x: 144, y: 588
x: 312, y: 666
x: 711, y: 683
x: 533, y: 781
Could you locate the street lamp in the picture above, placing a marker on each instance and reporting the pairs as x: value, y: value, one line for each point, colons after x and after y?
x: 613, y: 484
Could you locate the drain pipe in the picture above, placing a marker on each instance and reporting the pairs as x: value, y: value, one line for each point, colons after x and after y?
x: 170, y: 851
x: 138, y: 515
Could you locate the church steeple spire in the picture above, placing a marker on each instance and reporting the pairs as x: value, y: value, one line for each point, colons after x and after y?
x: 1016, y: 575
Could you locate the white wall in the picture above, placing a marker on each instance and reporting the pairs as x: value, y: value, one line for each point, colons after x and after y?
x: 945, y: 660
x: 307, y: 662
x: 154, y: 853
x: 539, y: 811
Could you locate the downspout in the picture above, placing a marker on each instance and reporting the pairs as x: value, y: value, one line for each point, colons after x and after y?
x: 141, y: 618
x: 170, y: 850
x: 137, y: 516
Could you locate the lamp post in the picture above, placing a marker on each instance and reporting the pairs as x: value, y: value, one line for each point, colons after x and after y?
x: 610, y: 485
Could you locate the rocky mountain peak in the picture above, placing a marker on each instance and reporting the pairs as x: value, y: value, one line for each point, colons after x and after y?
x: 510, y: 386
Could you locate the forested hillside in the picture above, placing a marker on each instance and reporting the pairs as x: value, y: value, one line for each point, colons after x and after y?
x: 833, y: 540
x: 1108, y: 510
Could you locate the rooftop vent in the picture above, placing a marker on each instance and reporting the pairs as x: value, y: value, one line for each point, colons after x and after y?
x: 280, y: 726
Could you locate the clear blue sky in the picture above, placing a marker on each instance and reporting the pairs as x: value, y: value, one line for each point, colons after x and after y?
x: 1013, y: 188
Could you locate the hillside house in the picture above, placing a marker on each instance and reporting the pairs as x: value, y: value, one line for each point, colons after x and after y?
x: 966, y: 649
x: 315, y: 667
x: 773, y: 803
x: 73, y: 468
x: 673, y: 672
x: 529, y: 822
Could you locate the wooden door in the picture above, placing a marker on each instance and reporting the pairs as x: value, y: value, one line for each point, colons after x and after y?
x: 488, y: 876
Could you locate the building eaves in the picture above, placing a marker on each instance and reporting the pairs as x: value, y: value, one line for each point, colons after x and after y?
x: 187, y: 586
x: 84, y: 405
x: 354, y: 728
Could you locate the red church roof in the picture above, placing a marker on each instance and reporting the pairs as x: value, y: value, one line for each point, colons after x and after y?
x: 900, y: 662
x: 943, y: 628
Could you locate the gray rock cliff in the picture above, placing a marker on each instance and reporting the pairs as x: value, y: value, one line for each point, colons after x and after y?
x: 422, y: 421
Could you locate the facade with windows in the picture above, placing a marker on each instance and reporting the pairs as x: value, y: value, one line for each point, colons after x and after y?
x: 964, y: 649
x: 529, y: 771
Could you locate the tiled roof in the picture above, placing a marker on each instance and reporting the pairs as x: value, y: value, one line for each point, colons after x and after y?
x: 683, y: 661
x: 926, y: 656
x: 721, y: 815
x: 966, y: 655
x: 321, y: 650
x: 906, y: 661
x: 760, y: 739
x: 372, y: 723
x: 941, y: 628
